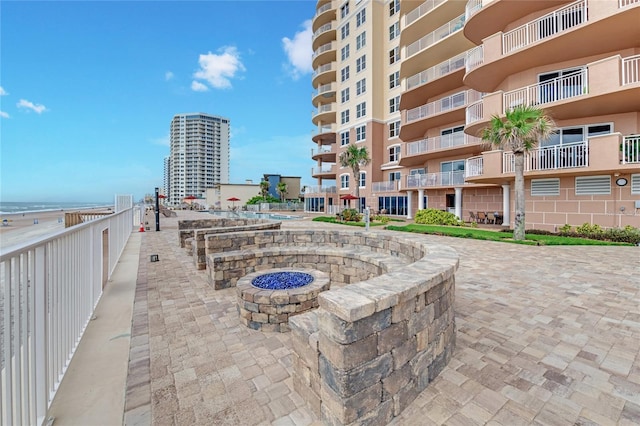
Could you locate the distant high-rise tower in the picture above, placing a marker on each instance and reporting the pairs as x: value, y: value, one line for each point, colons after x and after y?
x: 199, y: 157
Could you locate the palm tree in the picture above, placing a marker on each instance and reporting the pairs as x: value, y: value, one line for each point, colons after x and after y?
x: 520, y: 131
x: 282, y: 190
x: 264, y: 188
x: 355, y: 157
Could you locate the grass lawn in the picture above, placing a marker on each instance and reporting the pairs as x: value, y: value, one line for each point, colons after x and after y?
x: 333, y: 220
x: 483, y: 234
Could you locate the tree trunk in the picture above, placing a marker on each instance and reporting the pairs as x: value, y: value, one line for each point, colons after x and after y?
x: 518, y: 226
x: 356, y: 178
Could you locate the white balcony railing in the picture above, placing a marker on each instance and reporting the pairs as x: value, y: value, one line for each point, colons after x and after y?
x: 320, y: 190
x: 435, y: 36
x: 474, y: 166
x: 625, y: 3
x: 557, y: 89
x: 327, y: 128
x: 440, y: 142
x: 323, y: 29
x: 436, y: 71
x: 554, y: 157
x: 323, y: 9
x: 325, y: 88
x: 421, y: 10
x: 323, y: 68
x: 324, y: 48
x: 631, y: 149
x: 49, y: 289
x: 447, y: 103
x: 631, y: 69
x: 435, y: 179
x: 474, y: 112
x: 324, y: 149
x: 475, y: 57
x: 324, y: 108
x: 388, y: 186
x: 546, y: 26
x: 324, y: 169
x: 472, y: 7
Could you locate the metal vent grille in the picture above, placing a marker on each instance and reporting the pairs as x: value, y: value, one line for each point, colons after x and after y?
x: 542, y: 187
x: 593, y: 185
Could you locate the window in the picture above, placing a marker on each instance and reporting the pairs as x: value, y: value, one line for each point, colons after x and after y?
x: 394, y: 129
x: 394, y: 153
x: 344, y: 52
x: 361, y: 40
x: 344, y: 181
x: 561, y: 84
x: 344, y: 95
x: 394, y: 80
x: 569, y: 135
x: 362, y: 181
x: 394, y: 104
x: 593, y: 185
x: 452, y: 137
x: 361, y: 109
x: 393, y: 205
x: 394, y: 30
x: 361, y: 17
x: 344, y: 10
x: 452, y: 172
x: 361, y: 63
x: 344, y: 73
x: 344, y: 138
x: 394, y: 7
x: 394, y: 176
x: 344, y: 31
x: 394, y: 55
x: 344, y: 115
x: 361, y: 86
x: 361, y: 133
x: 542, y: 187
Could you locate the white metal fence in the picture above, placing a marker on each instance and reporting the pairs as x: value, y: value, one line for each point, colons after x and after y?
x: 435, y: 179
x: 436, y: 71
x: 435, y: 36
x: 567, y: 156
x: 631, y: 149
x: 631, y: 70
x: 553, y: 90
x: 49, y: 289
x: 419, y: 11
x: 440, y: 142
x: 474, y: 166
x: 447, y: 103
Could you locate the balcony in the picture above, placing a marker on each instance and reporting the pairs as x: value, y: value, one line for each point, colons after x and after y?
x: 387, y: 186
x: 324, y: 74
x: 603, y: 154
x: 319, y: 190
x: 324, y: 54
x: 325, y: 34
x: 433, y: 180
x: 324, y: 153
x: 446, y: 110
x: 418, y: 152
x: 558, y: 36
x: 590, y: 92
x: 422, y: 19
x: 326, y: 171
x: 326, y: 113
x: 325, y: 93
x: 324, y: 14
x: 325, y: 134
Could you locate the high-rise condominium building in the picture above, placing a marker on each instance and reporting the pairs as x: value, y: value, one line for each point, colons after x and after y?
x: 416, y: 81
x: 199, y: 157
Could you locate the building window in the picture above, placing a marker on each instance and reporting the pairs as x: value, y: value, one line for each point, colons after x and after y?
x: 394, y: 153
x: 542, y: 187
x: 394, y: 176
x: 394, y: 129
x: 344, y: 181
x: 361, y: 17
x: 361, y: 133
x: 394, y: 7
x: 394, y: 80
x: 344, y: 95
x: 593, y: 185
x: 361, y: 40
x: 394, y: 55
x: 344, y: 52
x: 361, y: 109
x: 344, y: 31
x: 361, y: 63
x: 453, y: 136
x: 344, y: 10
x: 394, y: 30
x: 344, y: 73
x: 452, y: 172
x: 344, y: 138
x: 344, y: 115
x: 362, y: 181
x: 394, y: 104
x: 361, y: 86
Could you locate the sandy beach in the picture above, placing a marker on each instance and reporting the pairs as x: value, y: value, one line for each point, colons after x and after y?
x: 21, y: 227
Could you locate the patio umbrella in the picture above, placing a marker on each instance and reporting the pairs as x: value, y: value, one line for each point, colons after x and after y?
x: 233, y: 200
x: 348, y: 197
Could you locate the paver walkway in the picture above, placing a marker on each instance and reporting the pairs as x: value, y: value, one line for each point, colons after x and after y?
x: 546, y: 335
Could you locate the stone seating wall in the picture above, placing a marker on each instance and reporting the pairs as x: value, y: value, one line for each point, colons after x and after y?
x: 186, y: 228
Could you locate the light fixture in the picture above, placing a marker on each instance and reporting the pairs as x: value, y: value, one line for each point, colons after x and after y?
x: 621, y: 181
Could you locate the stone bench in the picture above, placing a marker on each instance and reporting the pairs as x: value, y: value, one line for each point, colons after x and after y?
x: 187, y: 227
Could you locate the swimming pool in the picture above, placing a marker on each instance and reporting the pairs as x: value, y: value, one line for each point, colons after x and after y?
x: 253, y: 215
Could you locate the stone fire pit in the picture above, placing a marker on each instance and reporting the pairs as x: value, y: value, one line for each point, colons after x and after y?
x: 285, y: 292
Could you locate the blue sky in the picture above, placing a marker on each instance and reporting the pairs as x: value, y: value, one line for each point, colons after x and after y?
x: 88, y: 90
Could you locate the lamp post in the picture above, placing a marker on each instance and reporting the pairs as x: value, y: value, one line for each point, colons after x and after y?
x: 157, y: 211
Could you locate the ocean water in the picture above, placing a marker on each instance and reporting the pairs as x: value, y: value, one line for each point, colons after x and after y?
x: 8, y: 207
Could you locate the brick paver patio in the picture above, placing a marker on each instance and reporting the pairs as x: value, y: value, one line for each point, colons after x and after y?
x: 546, y: 335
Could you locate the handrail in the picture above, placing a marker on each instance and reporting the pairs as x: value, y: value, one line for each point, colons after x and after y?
x: 472, y: 7
x: 323, y: 29
x: 435, y: 36
x: 435, y: 179
x: 325, y: 47
x: 436, y: 71
x: 385, y: 186
x: 440, y: 142
x: 569, y: 156
x: 474, y: 166
x: 475, y: 57
x: 631, y: 69
x: 549, y: 91
x: 447, y: 103
x: 630, y: 149
x: 421, y: 10
x: 320, y: 189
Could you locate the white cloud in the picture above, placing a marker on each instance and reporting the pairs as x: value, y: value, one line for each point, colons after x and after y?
x: 196, y: 86
x: 168, y: 75
x: 4, y: 114
x: 3, y: 92
x: 38, y: 108
x: 217, y: 70
x: 299, y: 51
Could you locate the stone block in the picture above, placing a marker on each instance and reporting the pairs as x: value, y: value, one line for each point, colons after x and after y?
x: 392, y: 337
x: 348, y: 410
x: 395, y: 381
x: 346, y: 304
x: 347, y: 383
x: 403, y: 354
x: 403, y: 310
x: 345, y: 332
x: 351, y: 355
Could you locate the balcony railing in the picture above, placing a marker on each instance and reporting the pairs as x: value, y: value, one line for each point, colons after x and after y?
x: 554, y: 90
x: 323, y: 68
x: 441, y: 105
x: 436, y: 71
x: 546, y: 26
x: 475, y: 57
x: 325, y: 88
x: 324, y: 108
x: 320, y: 190
x: 323, y: 9
x: 631, y: 149
x: 474, y: 112
x: 388, y: 186
x: 421, y: 10
x: 472, y: 7
x: 440, y: 142
x: 554, y: 157
x: 323, y: 29
x: 631, y: 69
x: 324, y: 169
x: 625, y: 3
x: 324, y: 149
x: 474, y: 166
x: 435, y: 36
x: 435, y: 179
x: 324, y: 48
x: 329, y: 128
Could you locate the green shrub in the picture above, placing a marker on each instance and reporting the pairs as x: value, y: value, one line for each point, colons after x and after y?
x: 351, y: 215
x: 260, y: 199
x: 382, y: 219
x: 565, y: 228
x: 436, y: 217
x: 628, y: 234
